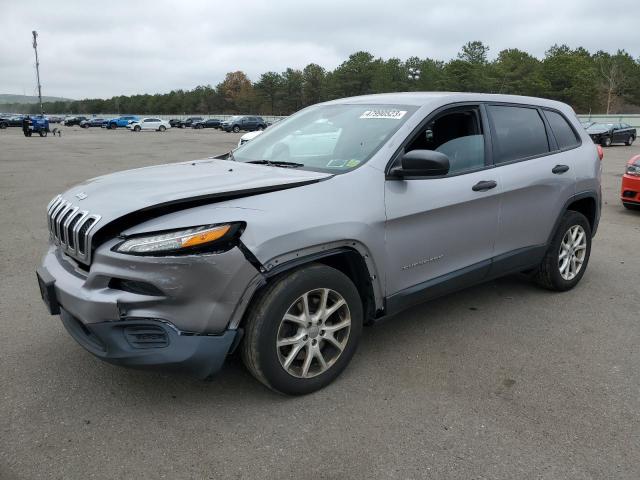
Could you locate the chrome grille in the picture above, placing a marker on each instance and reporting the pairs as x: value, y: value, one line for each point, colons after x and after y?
x: 70, y: 228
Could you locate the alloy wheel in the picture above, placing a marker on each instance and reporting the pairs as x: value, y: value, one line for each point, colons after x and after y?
x: 573, y: 250
x: 313, y: 333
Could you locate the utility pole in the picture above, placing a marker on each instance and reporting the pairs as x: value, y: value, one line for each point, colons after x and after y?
x: 35, y: 47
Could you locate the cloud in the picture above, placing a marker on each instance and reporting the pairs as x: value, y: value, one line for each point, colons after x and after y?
x: 92, y: 49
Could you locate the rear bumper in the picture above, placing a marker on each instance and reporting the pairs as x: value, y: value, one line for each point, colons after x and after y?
x: 151, y: 344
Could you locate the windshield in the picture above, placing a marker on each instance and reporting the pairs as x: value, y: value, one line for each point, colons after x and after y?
x: 327, y: 138
x: 601, y: 125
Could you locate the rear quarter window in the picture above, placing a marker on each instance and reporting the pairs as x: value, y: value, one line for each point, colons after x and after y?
x: 519, y: 132
x: 565, y: 135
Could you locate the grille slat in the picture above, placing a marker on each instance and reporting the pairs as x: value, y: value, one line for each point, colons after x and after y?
x: 70, y: 228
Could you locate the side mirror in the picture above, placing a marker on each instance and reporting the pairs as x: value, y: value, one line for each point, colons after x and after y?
x: 422, y: 163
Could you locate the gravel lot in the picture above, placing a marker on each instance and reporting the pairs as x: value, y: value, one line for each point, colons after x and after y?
x: 504, y: 380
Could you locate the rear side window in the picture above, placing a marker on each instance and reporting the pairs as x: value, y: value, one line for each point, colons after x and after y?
x: 565, y: 135
x: 519, y: 133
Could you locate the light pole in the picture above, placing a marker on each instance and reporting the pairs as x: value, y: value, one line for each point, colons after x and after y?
x: 35, y: 48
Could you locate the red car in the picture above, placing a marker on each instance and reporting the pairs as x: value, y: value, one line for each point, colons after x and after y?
x: 630, y: 191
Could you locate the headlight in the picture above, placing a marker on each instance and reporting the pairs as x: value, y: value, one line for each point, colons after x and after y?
x: 633, y: 169
x: 204, y: 239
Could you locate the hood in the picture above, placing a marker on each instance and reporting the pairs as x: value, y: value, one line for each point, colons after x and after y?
x: 176, y: 186
x: 597, y: 129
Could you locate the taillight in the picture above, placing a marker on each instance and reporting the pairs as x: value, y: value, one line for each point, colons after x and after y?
x: 600, y: 152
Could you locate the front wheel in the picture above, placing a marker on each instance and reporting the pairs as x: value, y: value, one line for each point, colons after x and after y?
x: 236, y: 129
x: 162, y: 128
x: 629, y: 140
x: 113, y: 126
x: 303, y: 330
x: 136, y: 128
x: 606, y: 142
x: 566, y: 259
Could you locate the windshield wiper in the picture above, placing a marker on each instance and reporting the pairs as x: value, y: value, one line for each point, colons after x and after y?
x: 277, y: 163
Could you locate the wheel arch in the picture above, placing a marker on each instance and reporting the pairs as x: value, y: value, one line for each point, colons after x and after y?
x: 349, y: 257
x: 586, y: 203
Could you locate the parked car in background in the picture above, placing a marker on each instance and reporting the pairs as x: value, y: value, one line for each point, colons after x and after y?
x: 209, y: 123
x: 175, y: 122
x: 15, y: 120
x: 247, y: 137
x: 265, y: 251
x: 55, y: 118
x: 150, y: 124
x: 75, y: 120
x: 630, y: 189
x: 92, y: 122
x: 119, y: 122
x: 190, y: 121
x: 607, y: 133
x: 243, y: 122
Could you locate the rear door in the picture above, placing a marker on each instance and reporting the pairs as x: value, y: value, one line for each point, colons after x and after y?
x: 537, y: 175
x: 443, y: 228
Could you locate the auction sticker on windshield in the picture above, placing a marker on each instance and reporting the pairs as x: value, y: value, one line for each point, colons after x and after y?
x: 392, y: 114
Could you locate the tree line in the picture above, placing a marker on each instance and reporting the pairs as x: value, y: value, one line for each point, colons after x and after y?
x: 590, y: 82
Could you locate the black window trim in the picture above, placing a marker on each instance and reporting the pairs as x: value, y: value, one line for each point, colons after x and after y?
x: 577, y: 135
x: 488, y: 141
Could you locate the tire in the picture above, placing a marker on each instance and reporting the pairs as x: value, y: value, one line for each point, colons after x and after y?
x: 136, y: 128
x: 549, y: 274
x: 113, y: 126
x: 236, y: 129
x: 260, y: 128
x: 266, y: 323
x: 3, y: 125
x: 631, y: 206
x: 606, y: 142
x: 629, y: 141
x: 162, y: 128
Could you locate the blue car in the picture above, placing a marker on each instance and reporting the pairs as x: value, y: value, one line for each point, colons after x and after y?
x: 119, y: 122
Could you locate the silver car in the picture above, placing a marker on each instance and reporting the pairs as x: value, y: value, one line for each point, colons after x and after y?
x: 344, y: 213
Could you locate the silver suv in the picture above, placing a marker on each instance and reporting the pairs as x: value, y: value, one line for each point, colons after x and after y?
x: 346, y: 212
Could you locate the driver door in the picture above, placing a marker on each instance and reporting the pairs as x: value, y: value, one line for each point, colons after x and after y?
x: 440, y: 231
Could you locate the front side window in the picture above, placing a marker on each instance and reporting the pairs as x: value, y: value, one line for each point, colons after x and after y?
x: 565, y: 135
x: 519, y: 133
x: 327, y: 138
x: 458, y: 134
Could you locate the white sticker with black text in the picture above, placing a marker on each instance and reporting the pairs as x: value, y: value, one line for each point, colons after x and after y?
x: 391, y: 114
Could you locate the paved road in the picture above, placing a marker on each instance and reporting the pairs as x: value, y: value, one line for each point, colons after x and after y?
x: 504, y: 380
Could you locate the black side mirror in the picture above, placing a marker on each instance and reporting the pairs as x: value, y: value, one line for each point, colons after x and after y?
x: 422, y: 163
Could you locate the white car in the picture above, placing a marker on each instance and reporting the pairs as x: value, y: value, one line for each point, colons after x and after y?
x: 248, y: 137
x: 148, y: 123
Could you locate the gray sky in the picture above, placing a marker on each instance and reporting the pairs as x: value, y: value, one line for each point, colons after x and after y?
x: 100, y: 49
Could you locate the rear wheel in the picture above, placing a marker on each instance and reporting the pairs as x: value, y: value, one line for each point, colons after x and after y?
x: 566, y: 259
x: 629, y: 140
x: 236, y: 129
x: 3, y: 125
x: 303, y: 329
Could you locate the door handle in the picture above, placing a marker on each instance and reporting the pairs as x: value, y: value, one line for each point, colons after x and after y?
x: 558, y: 169
x: 484, y: 185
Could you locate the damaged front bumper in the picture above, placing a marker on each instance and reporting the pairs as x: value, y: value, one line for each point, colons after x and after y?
x: 173, y: 313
